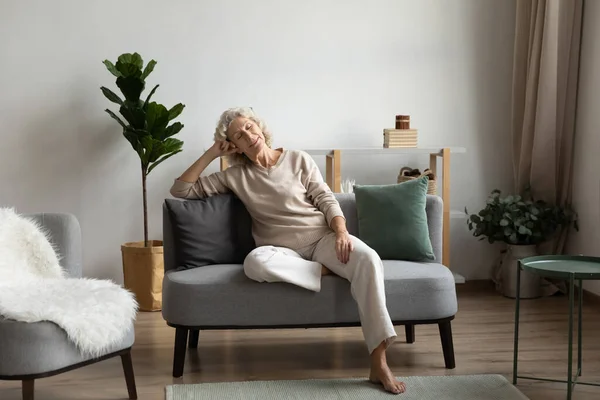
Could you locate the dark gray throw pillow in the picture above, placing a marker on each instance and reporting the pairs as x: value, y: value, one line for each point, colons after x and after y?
x: 214, y: 230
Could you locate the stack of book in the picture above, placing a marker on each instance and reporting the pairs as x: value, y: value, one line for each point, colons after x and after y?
x: 393, y: 138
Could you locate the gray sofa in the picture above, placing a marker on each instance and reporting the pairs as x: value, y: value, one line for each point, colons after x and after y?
x: 30, y: 351
x: 204, y: 287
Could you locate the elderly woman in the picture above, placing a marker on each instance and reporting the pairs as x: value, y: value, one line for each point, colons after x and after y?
x: 297, y: 223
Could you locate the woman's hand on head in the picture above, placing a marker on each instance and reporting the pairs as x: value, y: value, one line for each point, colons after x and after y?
x: 222, y: 148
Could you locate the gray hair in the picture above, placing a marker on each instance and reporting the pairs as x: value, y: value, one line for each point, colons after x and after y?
x: 227, y: 118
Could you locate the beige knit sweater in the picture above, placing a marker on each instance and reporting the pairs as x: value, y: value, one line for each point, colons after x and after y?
x: 290, y: 204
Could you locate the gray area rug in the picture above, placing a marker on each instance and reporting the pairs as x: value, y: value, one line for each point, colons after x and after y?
x: 460, y: 387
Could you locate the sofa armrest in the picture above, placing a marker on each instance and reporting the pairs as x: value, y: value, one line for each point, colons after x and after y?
x: 435, y: 218
x: 65, y: 235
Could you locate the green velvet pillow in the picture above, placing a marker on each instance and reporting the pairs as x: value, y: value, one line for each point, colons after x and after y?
x: 392, y: 220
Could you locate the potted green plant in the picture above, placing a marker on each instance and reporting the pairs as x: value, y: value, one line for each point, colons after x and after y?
x: 145, y: 125
x: 522, y: 223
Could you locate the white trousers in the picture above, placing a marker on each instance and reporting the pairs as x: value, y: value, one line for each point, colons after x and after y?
x: 364, y: 270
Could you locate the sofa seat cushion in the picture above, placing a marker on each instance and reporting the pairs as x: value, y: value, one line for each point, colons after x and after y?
x: 41, y: 347
x: 222, y: 296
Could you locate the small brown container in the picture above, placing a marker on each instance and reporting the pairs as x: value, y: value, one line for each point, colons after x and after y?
x: 402, y: 121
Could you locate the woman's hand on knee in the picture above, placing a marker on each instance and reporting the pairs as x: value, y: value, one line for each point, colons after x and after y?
x: 343, y: 246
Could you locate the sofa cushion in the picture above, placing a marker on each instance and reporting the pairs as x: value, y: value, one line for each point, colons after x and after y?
x: 222, y: 295
x: 392, y: 220
x: 40, y: 347
x: 213, y: 230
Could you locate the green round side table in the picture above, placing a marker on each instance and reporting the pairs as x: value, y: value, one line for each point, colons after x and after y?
x: 571, y: 269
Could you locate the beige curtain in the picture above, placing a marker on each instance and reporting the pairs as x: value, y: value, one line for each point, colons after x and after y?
x: 545, y: 75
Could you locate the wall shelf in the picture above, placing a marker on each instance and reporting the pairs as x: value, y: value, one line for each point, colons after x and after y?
x: 382, y: 150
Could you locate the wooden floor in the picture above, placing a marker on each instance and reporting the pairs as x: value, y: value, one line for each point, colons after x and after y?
x: 483, y: 340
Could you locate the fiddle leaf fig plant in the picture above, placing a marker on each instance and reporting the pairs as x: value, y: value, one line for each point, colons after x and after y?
x: 145, y: 123
x: 516, y: 220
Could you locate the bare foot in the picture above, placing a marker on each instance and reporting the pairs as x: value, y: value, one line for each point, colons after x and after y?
x: 382, y: 375
x: 325, y: 271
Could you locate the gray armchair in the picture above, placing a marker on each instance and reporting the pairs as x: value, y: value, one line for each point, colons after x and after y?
x: 30, y: 351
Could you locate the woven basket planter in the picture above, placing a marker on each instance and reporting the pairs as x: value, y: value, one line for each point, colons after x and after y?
x: 431, y: 185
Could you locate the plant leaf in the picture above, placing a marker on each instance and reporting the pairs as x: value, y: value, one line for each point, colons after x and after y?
x: 157, y: 163
x: 129, y: 58
x: 112, y: 114
x: 149, y: 97
x: 137, y: 60
x: 147, y: 145
x: 157, y: 118
x: 111, y: 67
x: 172, y: 130
x: 125, y: 58
x: 131, y: 87
x: 172, y: 144
x: 110, y: 95
x: 158, y: 150
x: 134, y: 115
x: 175, y: 111
x: 503, y: 222
x: 128, y: 70
x: 162, y: 148
x: 141, y: 132
x: 130, y: 65
x: 149, y: 68
x: 133, y: 139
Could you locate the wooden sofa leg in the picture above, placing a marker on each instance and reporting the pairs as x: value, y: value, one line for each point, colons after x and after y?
x: 410, y: 333
x: 193, y: 341
x: 27, y: 389
x: 447, y: 345
x: 181, y: 336
x: 129, y: 376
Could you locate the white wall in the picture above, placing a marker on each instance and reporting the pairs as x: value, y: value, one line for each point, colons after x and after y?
x: 586, y: 184
x: 323, y: 73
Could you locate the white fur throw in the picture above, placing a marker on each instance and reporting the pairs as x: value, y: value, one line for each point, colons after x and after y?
x: 95, y: 314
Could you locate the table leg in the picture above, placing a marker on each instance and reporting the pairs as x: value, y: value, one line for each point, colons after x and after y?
x: 579, y: 326
x: 517, y: 304
x: 570, y: 356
